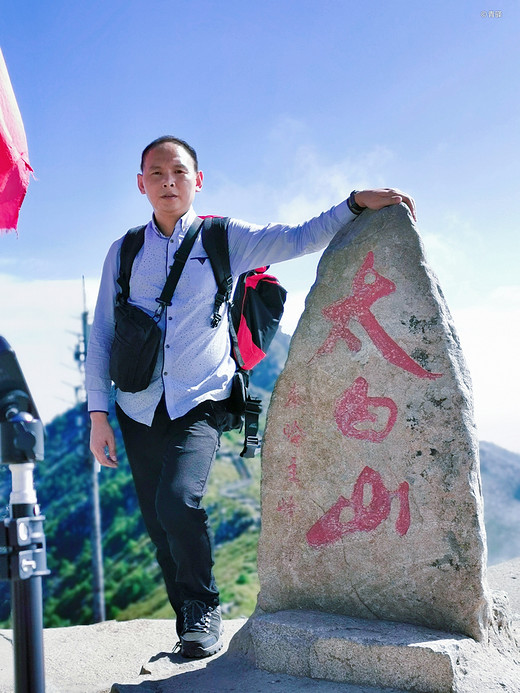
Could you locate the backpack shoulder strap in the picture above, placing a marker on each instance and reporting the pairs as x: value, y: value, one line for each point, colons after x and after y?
x: 131, y: 245
x: 215, y: 242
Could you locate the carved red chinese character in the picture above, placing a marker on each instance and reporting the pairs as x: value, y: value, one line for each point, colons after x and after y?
x: 352, y: 409
x: 294, y: 433
x: 293, y: 471
x: 294, y: 399
x: 287, y: 506
x: 330, y: 528
x: 368, y: 287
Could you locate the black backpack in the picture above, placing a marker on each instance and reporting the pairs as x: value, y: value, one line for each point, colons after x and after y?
x: 255, y: 309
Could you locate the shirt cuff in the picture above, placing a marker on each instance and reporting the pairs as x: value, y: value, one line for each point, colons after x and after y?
x: 97, y: 401
x: 343, y: 212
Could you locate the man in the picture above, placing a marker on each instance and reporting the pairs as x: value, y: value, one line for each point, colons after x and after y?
x: 172, y: 429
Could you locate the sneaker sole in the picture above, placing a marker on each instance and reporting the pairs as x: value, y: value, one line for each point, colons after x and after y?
x: 195, y: 651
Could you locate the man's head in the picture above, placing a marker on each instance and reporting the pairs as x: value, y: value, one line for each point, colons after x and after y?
x: 169, y: 178
x: 173, y: 140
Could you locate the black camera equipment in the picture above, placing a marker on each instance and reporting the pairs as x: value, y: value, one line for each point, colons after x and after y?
x: 23, y: 559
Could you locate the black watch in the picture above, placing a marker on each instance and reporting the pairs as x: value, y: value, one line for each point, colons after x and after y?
x: 353, y: 205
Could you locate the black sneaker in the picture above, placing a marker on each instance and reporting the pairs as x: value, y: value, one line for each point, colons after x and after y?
x: 202, y: 630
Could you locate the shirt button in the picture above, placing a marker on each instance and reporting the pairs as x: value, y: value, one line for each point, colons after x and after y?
x: 170, y: 317
x: 165, y: 373
x: 167, y: 346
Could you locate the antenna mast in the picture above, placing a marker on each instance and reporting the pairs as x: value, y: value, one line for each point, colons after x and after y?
x: 99, y: 613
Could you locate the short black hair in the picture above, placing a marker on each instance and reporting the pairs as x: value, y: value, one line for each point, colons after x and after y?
x: 174, y: 140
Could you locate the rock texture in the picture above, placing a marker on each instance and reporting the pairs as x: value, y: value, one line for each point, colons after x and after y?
x: 371, y: 498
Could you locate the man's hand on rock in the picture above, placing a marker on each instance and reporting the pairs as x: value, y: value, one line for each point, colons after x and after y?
x: 384, y: 197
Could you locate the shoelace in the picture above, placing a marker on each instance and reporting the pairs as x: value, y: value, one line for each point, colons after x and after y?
x: 196, y: 616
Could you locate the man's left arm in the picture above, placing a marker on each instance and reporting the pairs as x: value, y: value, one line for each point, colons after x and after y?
x: 254, y: 246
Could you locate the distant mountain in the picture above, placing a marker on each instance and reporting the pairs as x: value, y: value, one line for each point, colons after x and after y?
x: 133, y: 586
x: 500, y: 471
x: 267, y: 371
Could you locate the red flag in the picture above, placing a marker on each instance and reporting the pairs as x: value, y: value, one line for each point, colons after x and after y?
x: 14, y: 158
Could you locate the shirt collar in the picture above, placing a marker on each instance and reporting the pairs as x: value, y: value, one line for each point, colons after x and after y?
x: 181, y: 226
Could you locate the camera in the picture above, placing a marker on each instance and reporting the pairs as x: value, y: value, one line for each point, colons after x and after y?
x: 21, y: 431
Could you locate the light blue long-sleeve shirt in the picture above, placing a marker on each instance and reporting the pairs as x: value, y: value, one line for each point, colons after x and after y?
x: 195, y: 362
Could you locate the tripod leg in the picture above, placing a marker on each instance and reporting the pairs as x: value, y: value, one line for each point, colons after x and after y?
x: 27, y: 616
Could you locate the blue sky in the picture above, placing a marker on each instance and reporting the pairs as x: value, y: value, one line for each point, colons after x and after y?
x: 290, y: 105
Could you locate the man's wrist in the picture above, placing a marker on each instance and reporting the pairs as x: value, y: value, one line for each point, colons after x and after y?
x: 98, y: 415
x: 354, y: 207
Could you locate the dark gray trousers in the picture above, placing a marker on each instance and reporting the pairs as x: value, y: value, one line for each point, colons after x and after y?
x: 170, y: 462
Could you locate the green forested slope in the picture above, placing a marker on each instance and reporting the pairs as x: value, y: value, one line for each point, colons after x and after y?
x: 133, y: 585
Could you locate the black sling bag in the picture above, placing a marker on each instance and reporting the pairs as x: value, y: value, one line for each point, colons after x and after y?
x: 137, y: 336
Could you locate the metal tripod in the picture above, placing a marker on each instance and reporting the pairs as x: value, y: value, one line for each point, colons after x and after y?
x: 23, y: 561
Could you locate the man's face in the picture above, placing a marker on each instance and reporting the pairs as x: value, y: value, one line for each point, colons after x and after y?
x: 169, y: 180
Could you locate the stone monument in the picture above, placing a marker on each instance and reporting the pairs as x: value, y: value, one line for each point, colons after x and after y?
x: 371, y: 497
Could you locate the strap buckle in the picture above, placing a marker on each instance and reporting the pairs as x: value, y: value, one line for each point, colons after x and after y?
x: 160, y: 309
x: 220, y: 299
x: 252, y: 414
x: 251, y: 445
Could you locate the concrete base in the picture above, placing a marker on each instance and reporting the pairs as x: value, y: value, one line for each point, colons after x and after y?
x: 376, y: 653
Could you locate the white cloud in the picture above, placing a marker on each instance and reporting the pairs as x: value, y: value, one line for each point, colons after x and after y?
x: 490, y: 334
x: 299, y: 181
x: 316, y: 184
x: 41, y: 321
x: 294, y: 306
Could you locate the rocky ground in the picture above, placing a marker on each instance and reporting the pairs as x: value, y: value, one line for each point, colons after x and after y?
x: 136, y: 657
